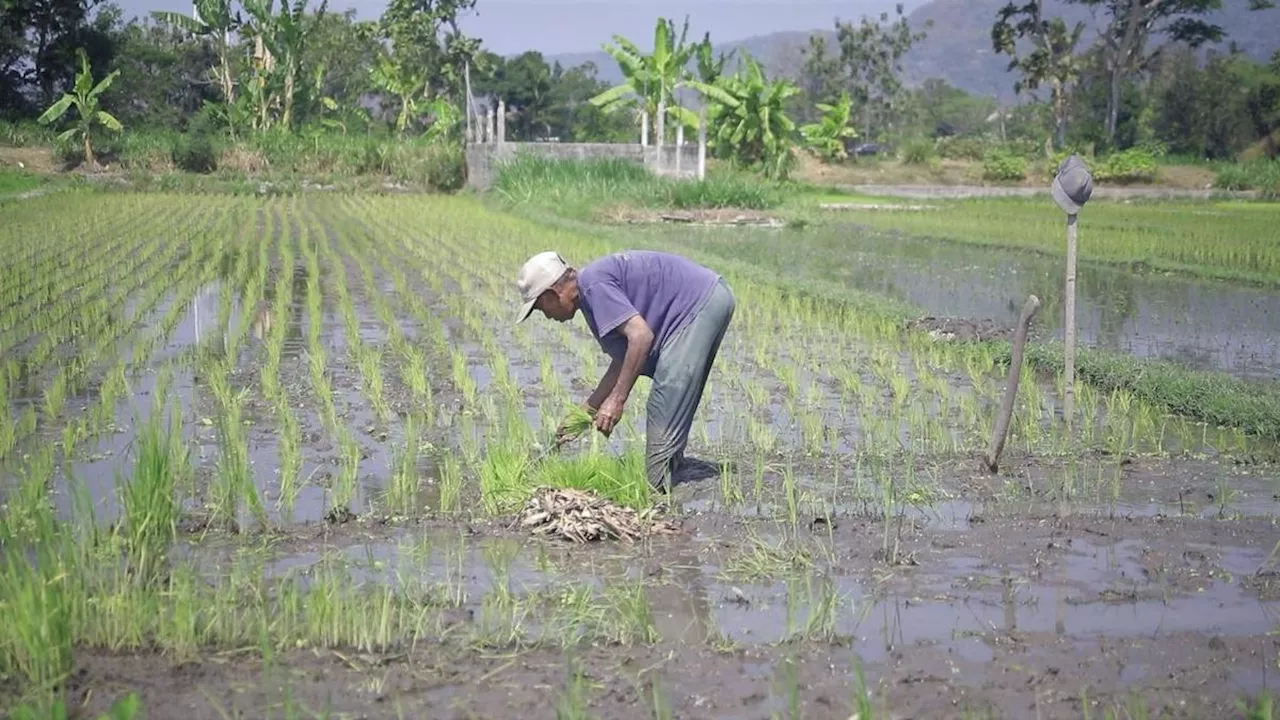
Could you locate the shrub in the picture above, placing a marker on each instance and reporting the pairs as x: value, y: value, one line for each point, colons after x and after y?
x: 962, y: 148
x: 1127, y: 166
x: 722, y: 193
x: 919, y: 152
x: 195, y: 152
x: 1003, y: 165
x: 1260, y: 175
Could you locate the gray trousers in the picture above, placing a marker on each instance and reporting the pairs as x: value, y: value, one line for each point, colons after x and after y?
x: 679, y: 378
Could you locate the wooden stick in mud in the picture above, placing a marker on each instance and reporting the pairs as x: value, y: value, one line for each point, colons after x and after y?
x: 1069, y: 328
x: 1011, y: 392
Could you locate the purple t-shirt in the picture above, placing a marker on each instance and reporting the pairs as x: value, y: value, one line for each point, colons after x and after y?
x: 665, y: 289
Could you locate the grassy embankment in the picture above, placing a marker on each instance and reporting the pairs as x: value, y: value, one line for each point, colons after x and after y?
x: 1231, y: 241
x: 170, y: 161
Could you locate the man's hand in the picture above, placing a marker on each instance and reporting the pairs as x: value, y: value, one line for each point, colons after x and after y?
x: 609, y: 414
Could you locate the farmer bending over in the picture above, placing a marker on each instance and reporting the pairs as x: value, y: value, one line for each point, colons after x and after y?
x: 655, y: 314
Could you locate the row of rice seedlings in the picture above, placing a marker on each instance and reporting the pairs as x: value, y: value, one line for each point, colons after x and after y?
x: 402, y: 494
x: 30, y: 295
x: 64, y: 593
x: 233, y: 481
x: 70, y: 378
x: 365, y: 356
x: 191, y: 274
x: 345, y: 489
x: 99, y: 321
x: 290, y: 433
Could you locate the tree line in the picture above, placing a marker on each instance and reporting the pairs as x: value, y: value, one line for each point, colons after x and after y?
x: 244, y: 68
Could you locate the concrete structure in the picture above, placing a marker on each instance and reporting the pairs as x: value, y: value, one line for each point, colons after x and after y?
x: 488, y: 149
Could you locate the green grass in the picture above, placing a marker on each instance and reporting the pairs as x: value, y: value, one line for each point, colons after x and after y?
x: 1233, y: 241
x: 1260, y: 175
x: 1213, y: 397
x: 14, y: 181
x: 572, y: 185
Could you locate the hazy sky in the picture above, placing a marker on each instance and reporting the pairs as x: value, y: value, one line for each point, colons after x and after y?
x: 558, y: 26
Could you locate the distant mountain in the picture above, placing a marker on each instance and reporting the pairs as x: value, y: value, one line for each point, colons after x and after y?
x: 958, y: 48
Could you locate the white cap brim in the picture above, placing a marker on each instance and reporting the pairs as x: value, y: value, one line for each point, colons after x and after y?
x: 525, y: 311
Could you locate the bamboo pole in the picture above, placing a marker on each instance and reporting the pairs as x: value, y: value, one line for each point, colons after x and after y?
x: 1069, y: 327
x: 1001, y: 430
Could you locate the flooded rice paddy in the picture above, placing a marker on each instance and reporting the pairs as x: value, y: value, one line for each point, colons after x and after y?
x: 1202, y: 324
x: 260, y: 458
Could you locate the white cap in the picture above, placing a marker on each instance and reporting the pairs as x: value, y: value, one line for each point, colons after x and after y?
x: 537, y: 276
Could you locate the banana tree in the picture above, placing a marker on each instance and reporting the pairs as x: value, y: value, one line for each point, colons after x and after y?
x: 212, y: 18
x: 748, y: 120
x: 650, y: 81
x: 408, y: 85
x: 284, y: 36
x: 826, y: 137
x: 84, y: 97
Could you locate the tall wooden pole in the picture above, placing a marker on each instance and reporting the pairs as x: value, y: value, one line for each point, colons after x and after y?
x: 470, y: 105
x: 1069, y: 326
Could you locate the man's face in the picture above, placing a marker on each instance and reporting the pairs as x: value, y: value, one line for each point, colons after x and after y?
x: 555, y: 304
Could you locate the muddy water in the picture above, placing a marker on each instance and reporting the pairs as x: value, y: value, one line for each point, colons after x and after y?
x: 1022, y: 592
x: 1201, y: 324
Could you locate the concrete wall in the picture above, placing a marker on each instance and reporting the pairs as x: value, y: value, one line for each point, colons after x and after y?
x: 484, y: 159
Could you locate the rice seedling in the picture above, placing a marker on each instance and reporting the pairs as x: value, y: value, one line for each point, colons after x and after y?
x: 149, y: 498
x: 344, y: 490
x: 401, y: 496
x: 234, y: 480
x: 450, y: 485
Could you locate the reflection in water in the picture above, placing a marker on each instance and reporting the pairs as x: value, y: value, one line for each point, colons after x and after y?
x: 1207, y: 325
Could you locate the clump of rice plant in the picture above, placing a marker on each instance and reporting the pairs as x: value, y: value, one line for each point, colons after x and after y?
x: 149, y: 498
x: 620, y: 478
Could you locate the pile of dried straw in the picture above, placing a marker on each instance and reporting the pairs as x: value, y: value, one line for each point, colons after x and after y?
x: 583, y: 516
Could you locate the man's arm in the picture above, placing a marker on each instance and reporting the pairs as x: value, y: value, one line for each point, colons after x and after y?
x: 606, y: 384
x: 639, y: 340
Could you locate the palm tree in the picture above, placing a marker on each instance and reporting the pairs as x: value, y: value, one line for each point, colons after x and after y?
x: 209, y: 18
x: 650, y: 81
x: 749, y: 119
x: 84, y: 96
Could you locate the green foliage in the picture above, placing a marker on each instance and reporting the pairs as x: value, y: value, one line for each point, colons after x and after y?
x: 24, y: 134
x: 651, y: 80
x: 1127, y: 166
x: 748, y: 122
x: 1052, y: 59
x: 1208, y: 396
x: 919, y: 151
x: 126, y: 707
x: 13, y: 180
x: 826, y: 137
x: 1003, y: 165
x: 195, y: 152
x: 1260, y: 175
x: 962, y: 148
x: 150, y: 498
x: 563, y: 183
x: 867, y: 63
x: 84, y: 98
x: 722, y: 192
